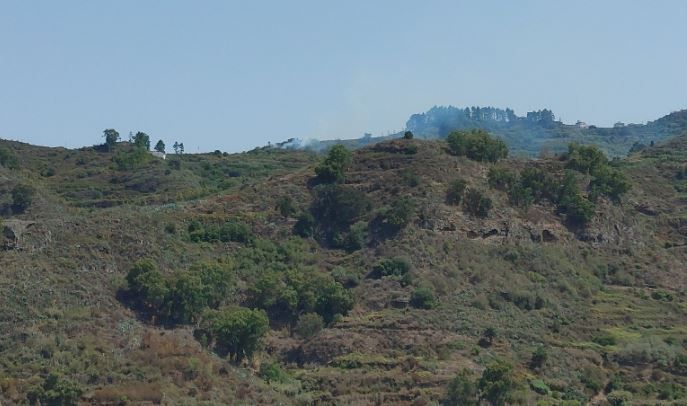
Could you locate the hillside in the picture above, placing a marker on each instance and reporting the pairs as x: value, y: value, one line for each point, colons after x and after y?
x: 536, y: 133
x: 382, y: 279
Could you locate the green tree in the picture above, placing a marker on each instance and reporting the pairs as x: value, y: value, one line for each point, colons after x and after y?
x: 476, y: 203
x: 610, y: 182
x: 462, y: 391
x: 333, y: 300
x: 188, y: 297
x: 141, y: 140
x: 332, y: 168
x: 160, y: 147
x: 408, y: 135
x: 111, y: 138
x: 236, y: 332
x: 497, y: 383
x: 585, y: 158
x: 336, y: 207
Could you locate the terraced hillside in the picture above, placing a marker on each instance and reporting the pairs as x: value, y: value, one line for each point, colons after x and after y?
x: 404, y: 275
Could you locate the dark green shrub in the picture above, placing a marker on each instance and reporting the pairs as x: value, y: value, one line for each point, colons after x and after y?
x: 577, y: 209
x: 423, y: 298
x: 454, y: 193
x: 462, y: 391
x: 333, y: 300
x: 8, y: 159
x: 309, y: 324
x: 397, y: 266
x: 670, y: 391
x: 539, y: 357
x: 409, y: 177
x: 400, y: 213
x: 130, y: 159
x: 356, y: 238
x: 286, y: 206
x: 540, y: 387
x: 619, y: 398
x: 22, y: 198
x: 489, y: 335
x: 408, y: 135
x: 501, y: 178
x: 520, y: 196
x: 476, y: 203
x: 477, y: 145
x: 305, y: 226
x: 347, y: 277
x: 605, y: 340
x: 540, y: 183
x: 272, y: 372
x: 333, y: 167
x: 235, y: 231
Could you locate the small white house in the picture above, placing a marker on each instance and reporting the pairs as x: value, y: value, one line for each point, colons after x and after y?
x: 157, y: 154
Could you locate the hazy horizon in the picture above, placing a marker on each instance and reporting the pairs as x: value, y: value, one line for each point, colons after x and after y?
x: 233, y: 76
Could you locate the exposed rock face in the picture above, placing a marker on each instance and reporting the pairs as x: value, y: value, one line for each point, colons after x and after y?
x: 13, y: 232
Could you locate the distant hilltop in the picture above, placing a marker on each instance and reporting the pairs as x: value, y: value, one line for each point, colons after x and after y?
x: 535, y: 133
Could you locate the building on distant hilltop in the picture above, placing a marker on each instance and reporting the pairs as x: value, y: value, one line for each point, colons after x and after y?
x: 581, y: 124
x: 619, y: 124
x: 157, y: 154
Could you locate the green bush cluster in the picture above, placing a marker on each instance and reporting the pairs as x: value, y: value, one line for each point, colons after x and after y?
x: 397, y: 268
x: 130, y: 159
x: 477, y: 145
x: 231, y: 230
x: 181, y: 297
x: 55, y: 390
x: 496, y: 386
x: 606, y: 180
x: 288, y: 294
x: 332, y: 168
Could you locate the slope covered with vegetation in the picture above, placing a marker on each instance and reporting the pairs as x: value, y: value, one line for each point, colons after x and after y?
x: 407, y: 272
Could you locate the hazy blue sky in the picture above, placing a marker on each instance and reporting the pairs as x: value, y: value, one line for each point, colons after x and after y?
x: 232, y: 75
